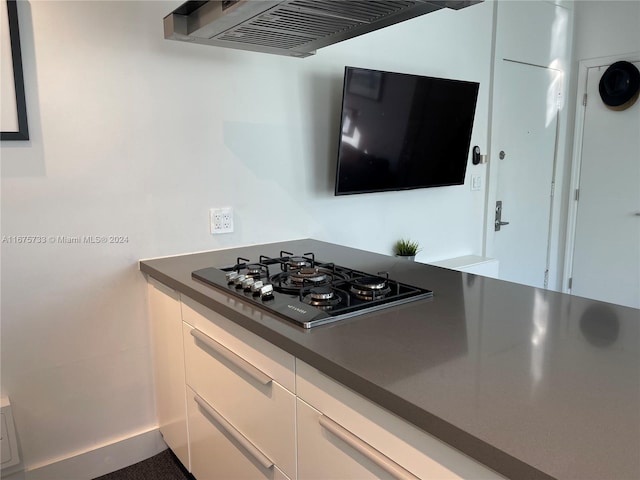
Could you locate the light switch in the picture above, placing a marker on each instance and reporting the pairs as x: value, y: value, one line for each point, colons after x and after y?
x: 476, y: 182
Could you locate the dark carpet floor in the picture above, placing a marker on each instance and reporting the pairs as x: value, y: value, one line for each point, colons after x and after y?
x: 163, y: 466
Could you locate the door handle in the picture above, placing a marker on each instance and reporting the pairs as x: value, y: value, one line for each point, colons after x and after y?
x: 232, y: 357
x: 498, y: 222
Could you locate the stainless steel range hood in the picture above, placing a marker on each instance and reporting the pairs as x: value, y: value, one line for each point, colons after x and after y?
x: 290, y: 27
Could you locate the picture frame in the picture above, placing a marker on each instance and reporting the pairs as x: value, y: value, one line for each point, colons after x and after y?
x: 14, y: 125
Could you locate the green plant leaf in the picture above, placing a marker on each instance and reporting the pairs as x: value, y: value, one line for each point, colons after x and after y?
x: 406, y: 247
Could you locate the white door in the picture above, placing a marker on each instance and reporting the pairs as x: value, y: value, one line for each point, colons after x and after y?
x: 524, y: 148
x: 606, y: 252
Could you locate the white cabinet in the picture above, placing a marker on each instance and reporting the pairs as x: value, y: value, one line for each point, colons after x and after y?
x: 245, y: 396
x: 168, y: 367
x: 343, y: 435
x: 233, y: 376
x: 326, y: 450
x: 254, y: 411
x: 487, y: 267
x: 279, y: 364
x: 220, y: 451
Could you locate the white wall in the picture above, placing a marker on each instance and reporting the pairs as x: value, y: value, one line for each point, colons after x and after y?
x: 606, y: 28
x: 137, y: 136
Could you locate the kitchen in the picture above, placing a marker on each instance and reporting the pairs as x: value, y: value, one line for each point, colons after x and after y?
x: 138, y: 137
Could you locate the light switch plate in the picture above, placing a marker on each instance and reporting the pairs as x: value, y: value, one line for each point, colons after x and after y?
x: 476, y: 182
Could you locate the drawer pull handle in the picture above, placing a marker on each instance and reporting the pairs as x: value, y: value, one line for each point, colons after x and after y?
x: 241, y: 363
x: 380, y: 459
x: 237, y: 436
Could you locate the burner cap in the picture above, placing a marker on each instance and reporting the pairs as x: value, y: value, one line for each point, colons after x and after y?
x: 307, y: 271
x: 370, y: 295
x: 321, y: 293
x: 253, y: 269
x: 323, y: 298
x: 370, y: 283
x: 370, y: 288
x: 309, y: 274
x: 298, y: 262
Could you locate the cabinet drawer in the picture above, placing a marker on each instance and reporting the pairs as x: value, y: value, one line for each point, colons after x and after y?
x: 415, y: 450
x: 256, y: 405
x: 323, y: 454
x: 219, y: 451
x: 272, y: 360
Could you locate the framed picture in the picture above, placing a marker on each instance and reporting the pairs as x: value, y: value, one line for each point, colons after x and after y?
x: 13, y: 116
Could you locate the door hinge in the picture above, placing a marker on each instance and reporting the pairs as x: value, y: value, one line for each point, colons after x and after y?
x: 546, y: 278
x: 553, y: 188
x: 584, y: 100
x: 576, y: 197
x: 570, y: 283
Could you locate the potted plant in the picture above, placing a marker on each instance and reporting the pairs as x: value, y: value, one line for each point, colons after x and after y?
x: 406, y: 249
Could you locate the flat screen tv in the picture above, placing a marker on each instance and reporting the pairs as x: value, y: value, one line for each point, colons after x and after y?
x: 402, y: 131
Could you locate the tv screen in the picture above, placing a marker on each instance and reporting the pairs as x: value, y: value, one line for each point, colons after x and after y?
x: 402, y: 131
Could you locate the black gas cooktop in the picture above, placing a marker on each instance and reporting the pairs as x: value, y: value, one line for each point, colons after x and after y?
x: 306, y: 291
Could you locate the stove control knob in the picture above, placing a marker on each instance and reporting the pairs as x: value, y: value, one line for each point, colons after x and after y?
x: 256, y: 286
x: 238, y: 280
x: 231, y: 276
x: 247, y: 282
x: 266, y: 291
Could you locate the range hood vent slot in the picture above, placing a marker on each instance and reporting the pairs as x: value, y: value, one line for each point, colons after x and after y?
x: 290, y: 27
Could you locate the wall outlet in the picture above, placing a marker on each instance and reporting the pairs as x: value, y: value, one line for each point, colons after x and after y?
x: 221, y: 220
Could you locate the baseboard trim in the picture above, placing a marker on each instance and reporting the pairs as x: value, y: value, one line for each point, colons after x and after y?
x: 98, y: 460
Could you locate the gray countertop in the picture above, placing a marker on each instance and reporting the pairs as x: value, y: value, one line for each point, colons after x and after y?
x: 532, y: 383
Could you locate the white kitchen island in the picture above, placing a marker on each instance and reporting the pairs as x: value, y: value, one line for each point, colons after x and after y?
x: 485, y: 379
